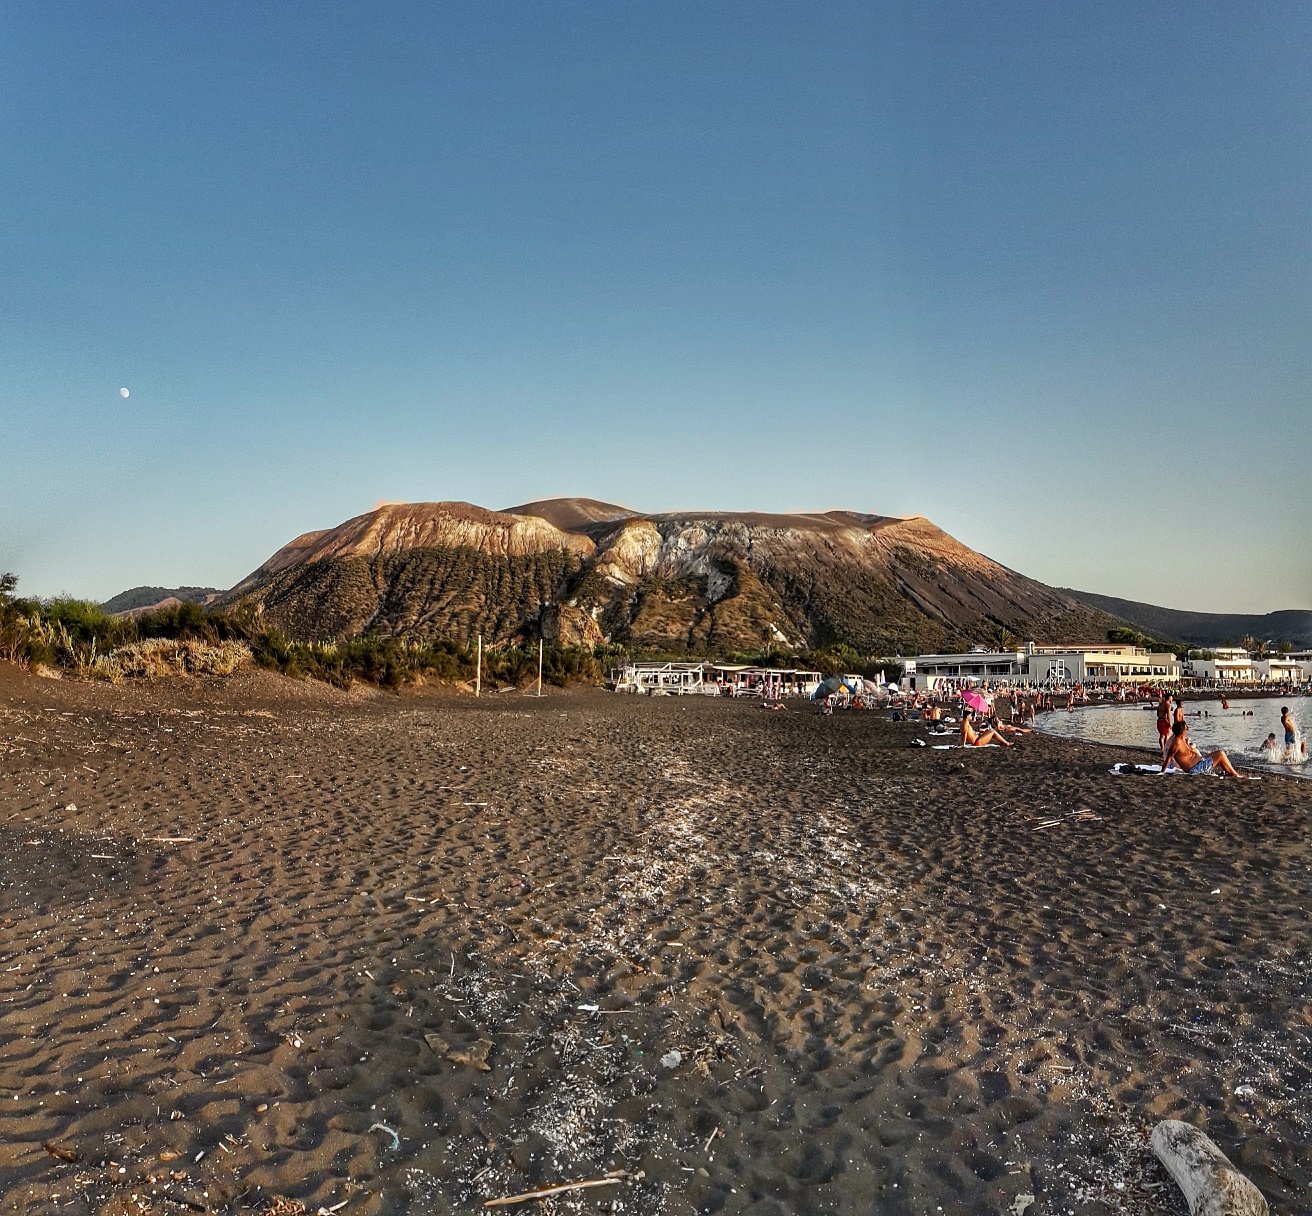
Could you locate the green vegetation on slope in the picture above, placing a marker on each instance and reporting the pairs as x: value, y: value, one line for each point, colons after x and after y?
x: 82, y: 638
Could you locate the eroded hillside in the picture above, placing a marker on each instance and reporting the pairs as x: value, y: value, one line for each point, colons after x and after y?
x: 704, y: 583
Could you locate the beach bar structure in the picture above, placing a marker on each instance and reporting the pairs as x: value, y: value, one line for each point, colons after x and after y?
x: 1048, y: 665
x: 663, y: 679
x: 740, y: 680
x: 713, y: 679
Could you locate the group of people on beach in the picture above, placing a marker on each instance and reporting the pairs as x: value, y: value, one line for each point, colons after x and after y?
x: 984, y: 726
x: 1178, y: 751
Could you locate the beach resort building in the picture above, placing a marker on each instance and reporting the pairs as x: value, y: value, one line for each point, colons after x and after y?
x: 1228, y: 665
x: 1280, y: 670
x: 1047, y: 665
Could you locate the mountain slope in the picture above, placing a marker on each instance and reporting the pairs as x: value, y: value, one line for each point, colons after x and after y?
x: 687, y: 582
x: 137, y: 598
x: 1292, y: 626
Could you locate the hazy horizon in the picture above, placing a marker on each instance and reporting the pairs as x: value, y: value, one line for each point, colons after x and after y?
x: 1037, y: 273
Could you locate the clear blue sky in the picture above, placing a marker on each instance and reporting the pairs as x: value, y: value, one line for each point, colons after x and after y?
x: 1041, y: 272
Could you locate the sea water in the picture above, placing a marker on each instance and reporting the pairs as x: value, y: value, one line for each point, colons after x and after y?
x: 1231, y: 729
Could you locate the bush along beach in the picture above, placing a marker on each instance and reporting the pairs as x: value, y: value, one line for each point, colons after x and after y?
x: 75, y: 637
x: 66, y: 636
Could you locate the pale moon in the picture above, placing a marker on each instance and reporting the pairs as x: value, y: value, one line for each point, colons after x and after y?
x: 124, y: 393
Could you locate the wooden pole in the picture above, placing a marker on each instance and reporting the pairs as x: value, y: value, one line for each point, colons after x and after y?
x: 539, y: 667
x: 478, y: 679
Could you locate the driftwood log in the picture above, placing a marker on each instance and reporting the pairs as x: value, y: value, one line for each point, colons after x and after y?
x: 1211, y: 1185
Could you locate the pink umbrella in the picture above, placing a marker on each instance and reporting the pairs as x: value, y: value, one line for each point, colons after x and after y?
x: 975, y: 700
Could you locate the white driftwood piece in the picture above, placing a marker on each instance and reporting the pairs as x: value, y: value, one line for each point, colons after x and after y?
x: 1211, y: 1185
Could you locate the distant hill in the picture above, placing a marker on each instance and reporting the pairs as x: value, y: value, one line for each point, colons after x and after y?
x: 686, y: 583
x: 1292, y: 626
x: 136, y: 598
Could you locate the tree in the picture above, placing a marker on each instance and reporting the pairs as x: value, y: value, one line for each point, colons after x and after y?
x: 1002, y: 638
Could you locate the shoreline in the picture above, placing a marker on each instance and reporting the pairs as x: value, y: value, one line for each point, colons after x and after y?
x: 1244, y: 761
x: 304, y: 919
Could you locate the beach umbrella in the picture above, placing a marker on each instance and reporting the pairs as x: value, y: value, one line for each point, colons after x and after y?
x: 827, y: 688
x: 975, y: 700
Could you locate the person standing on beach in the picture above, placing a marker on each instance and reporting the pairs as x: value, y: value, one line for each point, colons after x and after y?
x: 1164, y: 721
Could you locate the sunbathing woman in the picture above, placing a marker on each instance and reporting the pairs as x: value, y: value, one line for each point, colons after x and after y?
x: 1006, y: 728
x: 970, y: 737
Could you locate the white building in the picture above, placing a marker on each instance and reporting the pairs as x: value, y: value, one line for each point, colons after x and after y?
x: 1280, y: 670
x: 1038, y: 665
x: 1229, y: 664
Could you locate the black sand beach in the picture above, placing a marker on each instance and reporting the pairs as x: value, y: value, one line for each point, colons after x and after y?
x: 269, y: 946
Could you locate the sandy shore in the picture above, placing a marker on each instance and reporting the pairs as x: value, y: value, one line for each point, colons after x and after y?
x: 265, y: 944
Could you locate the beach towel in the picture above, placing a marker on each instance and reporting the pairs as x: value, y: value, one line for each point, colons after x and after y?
x: 1126, y: 769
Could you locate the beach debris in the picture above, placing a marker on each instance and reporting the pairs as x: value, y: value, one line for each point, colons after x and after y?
x: 672, y: 1059
x: 706, y: 1148
x: 382, y: 1127
x: 1245, y: 1091
x: 1020, y: 1204
x: 474, y: 1056
x: 614, y: 1178
x: 60, y: 1151
x: 279, y: 1205
x: 1211, y: 1184
x: 169, y: 1154
x: 1084, y: 813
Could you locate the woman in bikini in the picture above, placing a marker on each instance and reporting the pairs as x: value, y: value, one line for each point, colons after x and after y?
x: 970, y: 737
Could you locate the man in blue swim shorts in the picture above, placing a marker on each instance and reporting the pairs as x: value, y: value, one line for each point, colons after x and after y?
x: 1181, y: 753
